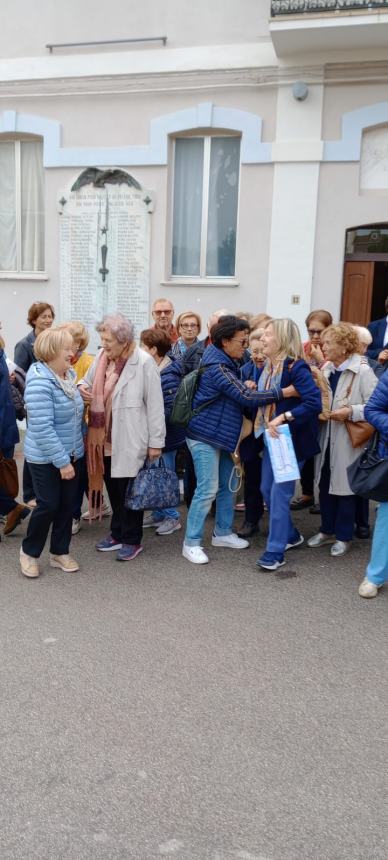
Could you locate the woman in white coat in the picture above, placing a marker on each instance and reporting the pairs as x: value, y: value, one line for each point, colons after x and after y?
x: 352, y: 382
x: 126, y: 425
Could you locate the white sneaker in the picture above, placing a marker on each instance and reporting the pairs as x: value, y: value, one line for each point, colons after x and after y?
x: 106, y: 512
x: 367, y: 588
x: 150, y: 522
x: 76, y: 527
x: 340, y: 547
x: 194, y: 554
x: 231, y: 541
x: 168, y: 526
x: 29, y: 565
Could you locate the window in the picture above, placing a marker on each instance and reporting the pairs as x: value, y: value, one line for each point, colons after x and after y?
x: 205, y: 198
x: 21, y: 206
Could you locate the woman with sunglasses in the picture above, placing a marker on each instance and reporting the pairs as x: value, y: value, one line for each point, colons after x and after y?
x: 316, y: 323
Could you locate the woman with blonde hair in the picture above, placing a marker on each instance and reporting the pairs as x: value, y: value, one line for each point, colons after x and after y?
x: 53, y: 448
x: 285, y: 365
x: 188, y: 326
x: 352, y: 382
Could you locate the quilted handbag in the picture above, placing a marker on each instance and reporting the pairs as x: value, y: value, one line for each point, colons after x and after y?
x: 155, y: 486
x: 9, y: 480
x: 368, y: 475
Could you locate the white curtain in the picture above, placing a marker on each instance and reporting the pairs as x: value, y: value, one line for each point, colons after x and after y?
x: 8, y: 260
x: 223, y: 200
x: 32, y: 206
x: 187, y: 217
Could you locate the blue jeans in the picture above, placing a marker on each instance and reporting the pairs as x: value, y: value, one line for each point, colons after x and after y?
x: 160, y: 514
x: 377, y: 570
x: 213, y: 469
x: 277, y: 498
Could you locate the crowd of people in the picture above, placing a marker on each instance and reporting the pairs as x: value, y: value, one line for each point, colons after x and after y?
x: 93, y: 421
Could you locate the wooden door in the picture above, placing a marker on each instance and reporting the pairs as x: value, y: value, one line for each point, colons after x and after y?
x: 357, y: 292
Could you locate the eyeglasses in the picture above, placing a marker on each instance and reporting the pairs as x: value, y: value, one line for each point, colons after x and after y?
x: 315, y: 330
x: 188, y: 325
x: 167, y: 313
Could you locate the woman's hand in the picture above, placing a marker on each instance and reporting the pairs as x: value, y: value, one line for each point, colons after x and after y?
x: 316, y: 353
x: 341, y: 414
x: 274, y: 424
x: 290, y: 391
x: 153, y: 454
x: 85, y: 393
x: 249, y: 383
x: 67, y: 472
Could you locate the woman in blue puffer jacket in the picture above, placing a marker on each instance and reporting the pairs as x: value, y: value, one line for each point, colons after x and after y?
x: 212, y: 435
x: 376, y: 412
x: 53, y: 448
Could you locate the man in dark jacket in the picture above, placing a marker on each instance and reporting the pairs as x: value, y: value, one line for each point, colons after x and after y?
x: 378, y: 349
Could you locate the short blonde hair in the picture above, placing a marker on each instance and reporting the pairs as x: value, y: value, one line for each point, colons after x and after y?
x: 363, y: 334
x: 78, y: 332
x: 256, y: 334
x: 288, y: 337
x: 49, y: 343
x: 186, y: 314
x: 344, y: 334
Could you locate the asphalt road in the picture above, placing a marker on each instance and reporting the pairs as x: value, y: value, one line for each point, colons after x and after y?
x: 155, y: 709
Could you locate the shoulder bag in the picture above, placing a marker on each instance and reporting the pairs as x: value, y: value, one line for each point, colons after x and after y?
x: 9, y: 480
x: 359, y: 431
x: 368, y: 475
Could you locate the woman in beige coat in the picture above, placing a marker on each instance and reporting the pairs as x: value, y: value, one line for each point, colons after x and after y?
x: 352, y: 382
x: 126, y: 425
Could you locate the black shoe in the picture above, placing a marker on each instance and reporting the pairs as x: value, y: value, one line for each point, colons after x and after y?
x: 247, y: 530
x: 299, y: 504
x: 362, y: 532
x: 315, y: 509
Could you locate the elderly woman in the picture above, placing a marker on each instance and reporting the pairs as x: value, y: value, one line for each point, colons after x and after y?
x: 40, y: 316
x: 352, y: 382
x: 188, y: 326
x: 157, y: 343
x: 365, y: 339
x: 285, y: 365
x: 53, y: 448
x: 126, y: 425
x: 213, y: 434
x: 316, y: 322
x: 251, y: 448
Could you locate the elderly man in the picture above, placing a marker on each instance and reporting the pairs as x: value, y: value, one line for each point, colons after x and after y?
x: 163, y: 314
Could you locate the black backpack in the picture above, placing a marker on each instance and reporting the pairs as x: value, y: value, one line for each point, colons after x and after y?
x: 182, y: 409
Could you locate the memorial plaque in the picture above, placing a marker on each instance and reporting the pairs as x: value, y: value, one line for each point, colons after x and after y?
x: 105, y: 234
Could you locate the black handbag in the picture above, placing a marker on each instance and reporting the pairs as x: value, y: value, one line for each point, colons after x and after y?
x: 368, y: 475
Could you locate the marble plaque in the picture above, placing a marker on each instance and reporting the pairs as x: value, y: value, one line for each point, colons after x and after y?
x: 105, y: 254
x: 374, y: 160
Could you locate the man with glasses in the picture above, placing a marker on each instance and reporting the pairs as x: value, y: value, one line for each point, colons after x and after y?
x: 163, y: 315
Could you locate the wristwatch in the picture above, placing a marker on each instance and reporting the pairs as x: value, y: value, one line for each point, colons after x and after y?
x: 288, y: 416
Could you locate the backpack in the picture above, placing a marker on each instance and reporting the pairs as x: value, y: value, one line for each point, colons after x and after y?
x: 182, y: 409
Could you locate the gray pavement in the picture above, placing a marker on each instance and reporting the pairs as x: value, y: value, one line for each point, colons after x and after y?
x: 156, y: 709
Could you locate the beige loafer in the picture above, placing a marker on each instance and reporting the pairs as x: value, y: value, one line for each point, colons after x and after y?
x: 29, y: 565
x: 368, y: 589
x: 64, y: 562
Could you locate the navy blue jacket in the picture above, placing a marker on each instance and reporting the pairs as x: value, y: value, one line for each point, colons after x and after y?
x: 305, y: 408
x: 377, y: 330
x: 9, y: 433
x: 219, y: 424
x: 171, y: 378
x: 376, y: 412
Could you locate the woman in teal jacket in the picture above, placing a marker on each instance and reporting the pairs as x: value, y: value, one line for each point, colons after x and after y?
x: 53, y: 449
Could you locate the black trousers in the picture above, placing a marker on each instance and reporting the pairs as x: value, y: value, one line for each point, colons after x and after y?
x: 126, y: 526
x: 307, y: 478
x: 55, y: 501
x: 28, y: 489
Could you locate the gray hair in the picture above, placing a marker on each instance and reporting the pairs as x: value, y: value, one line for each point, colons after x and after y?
x: 120, y: 326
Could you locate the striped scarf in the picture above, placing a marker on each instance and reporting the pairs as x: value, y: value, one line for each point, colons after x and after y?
x: 271, y: 375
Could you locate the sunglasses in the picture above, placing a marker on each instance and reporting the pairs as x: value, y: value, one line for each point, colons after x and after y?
x: 315, y: 330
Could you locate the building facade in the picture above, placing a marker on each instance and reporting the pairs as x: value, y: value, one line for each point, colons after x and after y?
x: 260, y: 128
